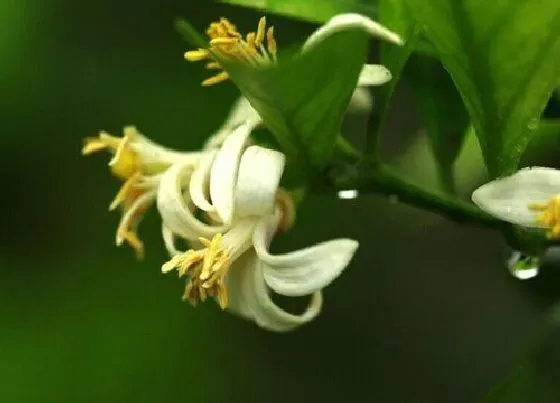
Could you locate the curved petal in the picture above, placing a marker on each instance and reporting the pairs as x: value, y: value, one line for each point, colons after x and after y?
x: 241, y: 112
x: 361, y: 100
x: 304, y: 271
x: 199, y: 183
x: 263, y: 310
x: 174, y: 205
x: 260, y: 171
x: 373, y: 74
x: 348, y: 21
x: 509, y: 198
x: 169, y: 241
x: 223, y: 175
x: 236, y: 278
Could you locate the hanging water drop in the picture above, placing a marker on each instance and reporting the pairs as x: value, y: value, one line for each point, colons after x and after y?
x: 522, y: 266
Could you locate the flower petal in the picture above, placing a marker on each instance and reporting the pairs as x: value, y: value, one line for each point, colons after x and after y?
x: 361, y: 100
x: 169, y: 241
x: 175, y: 206
x: 259, y: 174
x: 374, y: 74
x: 508, y: 198
x: 200, y: 180
x: 223, y: 176
x: 258, y: 305
x: 235, y: 280
x: 344, y: 22
x: 241, y: 112
x: 304, y: 271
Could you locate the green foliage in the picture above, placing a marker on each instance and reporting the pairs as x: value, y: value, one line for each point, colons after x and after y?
x: 303, y: 99
x: 535, y: 378
x: 443, y: 112
x: 503, y: 57
x: 396, y: 16
x: 313, y: 11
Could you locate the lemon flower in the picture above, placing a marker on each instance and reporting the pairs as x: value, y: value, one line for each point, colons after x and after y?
x: 530, y: 198
x: 244, y: 209
x: 260, y: 49
x: 139, y: 163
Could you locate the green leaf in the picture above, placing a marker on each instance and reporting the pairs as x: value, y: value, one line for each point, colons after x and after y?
x: 302, y: 99
x: 535, y: 377
x: 503, y: 56
x: 395, y: 16
x: 443, y: 112
x: 313, y: 11
x: 545, y: 141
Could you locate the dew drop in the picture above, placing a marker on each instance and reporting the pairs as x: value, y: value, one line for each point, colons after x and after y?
x: 521, y: 266
x: 348, y: 194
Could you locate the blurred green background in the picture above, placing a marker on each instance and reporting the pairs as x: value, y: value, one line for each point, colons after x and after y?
x: 425, y: 313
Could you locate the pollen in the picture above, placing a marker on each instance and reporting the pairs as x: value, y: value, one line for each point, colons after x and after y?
x: 548, y: 214
x: 205, y: 270
x: 225, y: 42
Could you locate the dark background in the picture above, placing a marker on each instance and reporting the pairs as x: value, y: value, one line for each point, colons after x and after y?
x: 425, y: 313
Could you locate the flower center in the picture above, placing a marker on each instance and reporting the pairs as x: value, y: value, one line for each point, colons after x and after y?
x: 549, y: 215
x: 205, y: 268
x: 227, y: 42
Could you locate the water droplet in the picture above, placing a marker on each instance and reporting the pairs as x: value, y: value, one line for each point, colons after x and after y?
x: 522, y: 266
x: 533, y: 124
x: 348, y: 194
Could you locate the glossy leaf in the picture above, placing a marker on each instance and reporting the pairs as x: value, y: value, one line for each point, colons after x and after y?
x: 397, y: 17
x: 504, y: 57
x: 302, y: 99
x: 313, y: 11
x: 443, y: 113
x: 535, y: 377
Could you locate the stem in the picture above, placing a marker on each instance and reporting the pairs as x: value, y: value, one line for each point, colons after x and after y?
x: 382, y: 180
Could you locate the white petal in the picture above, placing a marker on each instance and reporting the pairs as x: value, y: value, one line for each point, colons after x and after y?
x: 169, y: 241
x: 241, y: 113
x: 239, y: 238
x: 344, y: 22
x: 263, y: 310
x: 200, y: 180
x: 259, y: 174
x: 304, y: 271
x: 361, y: 100
x: 223, y: 176
x: 154, y: 156
x: 508, y: 198
x: 374, y: 74
x: 174, y: 205
x: 235, y: 280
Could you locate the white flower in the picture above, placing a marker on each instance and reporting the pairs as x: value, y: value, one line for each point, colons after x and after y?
x: 227, y: 41
x: 245, y: 208
x: 530, y: 198
x: 139, y: 162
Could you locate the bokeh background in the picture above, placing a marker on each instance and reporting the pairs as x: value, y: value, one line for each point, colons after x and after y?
x: 427, y: 311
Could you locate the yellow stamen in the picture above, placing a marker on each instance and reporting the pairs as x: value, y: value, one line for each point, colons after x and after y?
x: 197, y: 55
x: 549, y: 216
x: 261, y: 31
x: 223, y: 41
x: 132, y: 239
x: 206, y: 269
x: 227, y: 42
x: 271, y: 42
x: 125, y: 161
x: 126, y: 191
x: 218, y: 78
x: 213, y: 66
